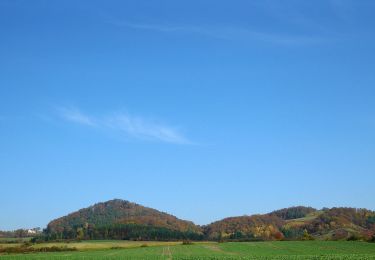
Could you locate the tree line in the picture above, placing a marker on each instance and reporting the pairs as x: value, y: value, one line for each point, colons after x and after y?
x: 130, y: 231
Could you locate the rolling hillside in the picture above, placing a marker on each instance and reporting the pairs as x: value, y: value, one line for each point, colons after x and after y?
x: 298, y: 223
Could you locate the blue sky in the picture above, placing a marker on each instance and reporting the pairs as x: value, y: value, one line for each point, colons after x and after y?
x: 203, y: 109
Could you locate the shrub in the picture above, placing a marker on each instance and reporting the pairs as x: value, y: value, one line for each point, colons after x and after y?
x: 28, y: 249
x: 353, y: 238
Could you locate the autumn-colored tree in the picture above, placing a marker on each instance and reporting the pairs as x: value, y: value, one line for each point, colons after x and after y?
x: 80, y: 233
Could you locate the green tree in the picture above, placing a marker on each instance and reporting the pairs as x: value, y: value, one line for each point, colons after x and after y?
x: 307, y: 236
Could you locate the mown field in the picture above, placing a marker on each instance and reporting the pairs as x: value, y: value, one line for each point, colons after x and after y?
x: 206, y: 250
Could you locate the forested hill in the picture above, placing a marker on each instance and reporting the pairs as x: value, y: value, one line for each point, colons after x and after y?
x: 99, y: 220
x: 297, y: 223
x: 120, y: 219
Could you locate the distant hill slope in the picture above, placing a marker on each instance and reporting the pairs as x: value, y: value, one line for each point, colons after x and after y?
x: 293, y: 212
x: 342, y: 223
x: 118, y: 213
x: 298, y: 223
x: 265, y: 227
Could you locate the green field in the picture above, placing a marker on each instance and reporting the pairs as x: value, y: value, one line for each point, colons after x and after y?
x: 207, y: 250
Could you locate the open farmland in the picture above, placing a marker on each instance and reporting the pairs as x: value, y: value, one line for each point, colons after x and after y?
x: 208, y: 250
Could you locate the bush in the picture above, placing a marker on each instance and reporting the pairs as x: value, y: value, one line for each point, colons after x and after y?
x: 27, y: 249
x: 187, y: 242
x: 27, y: 243
x: 307, y: 236
x: 55, y: 249
x: 353, y: 238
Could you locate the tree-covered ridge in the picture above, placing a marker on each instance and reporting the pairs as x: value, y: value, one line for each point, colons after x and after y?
x: 119, y: 212
x: 341, y: 223
x: 265, y: 227
x: 335, y: 224
x: 297, y: 223
x: 293, y: 212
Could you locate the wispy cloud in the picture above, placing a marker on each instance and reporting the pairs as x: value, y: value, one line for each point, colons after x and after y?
x: 74, y: 115
x: 132, y: 126
x: 228, y: 33
x: 146, y: 129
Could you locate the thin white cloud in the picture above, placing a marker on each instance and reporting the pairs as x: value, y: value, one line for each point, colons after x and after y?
x: 131, y: 126
x: 228, y: 33
x: 146, y: 129
x: 74, y: 115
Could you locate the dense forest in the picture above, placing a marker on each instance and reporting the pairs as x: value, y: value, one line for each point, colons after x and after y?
x: 120, y: 219
x: 130, y: 231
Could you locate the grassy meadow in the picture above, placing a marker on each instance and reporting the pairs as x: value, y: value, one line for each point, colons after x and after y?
x: 204, y: 250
